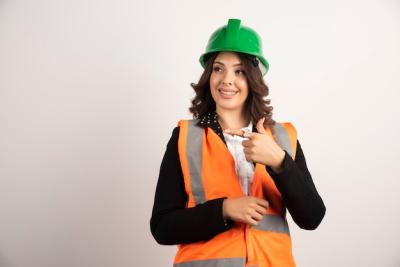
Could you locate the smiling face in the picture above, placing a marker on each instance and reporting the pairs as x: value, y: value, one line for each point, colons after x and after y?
x: 228, y: 82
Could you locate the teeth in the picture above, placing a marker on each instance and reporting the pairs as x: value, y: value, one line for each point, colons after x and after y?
x: 228, y: 93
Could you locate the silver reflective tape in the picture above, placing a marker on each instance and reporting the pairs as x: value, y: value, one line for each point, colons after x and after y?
x: 273, y: 223
x: 282, y: 138
x: 194, y: 151
x: 227, y: 262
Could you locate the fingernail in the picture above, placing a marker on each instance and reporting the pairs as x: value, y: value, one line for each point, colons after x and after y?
x: 227, y: 131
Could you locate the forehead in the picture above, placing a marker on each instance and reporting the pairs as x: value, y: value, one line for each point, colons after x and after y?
x: 228, y: 58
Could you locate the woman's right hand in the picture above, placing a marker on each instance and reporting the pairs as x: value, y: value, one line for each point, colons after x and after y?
x: 245, y: 209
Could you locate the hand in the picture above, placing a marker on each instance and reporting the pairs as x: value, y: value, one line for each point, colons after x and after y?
x: 245, y: 209
x: 261, y: 147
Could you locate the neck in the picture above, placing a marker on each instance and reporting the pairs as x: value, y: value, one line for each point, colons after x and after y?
x: 232, y: 119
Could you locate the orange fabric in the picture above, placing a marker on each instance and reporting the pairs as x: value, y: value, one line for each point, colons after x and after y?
x: 264, y: 187
x: 270, y: 249
x: 229, y: 244
x: 219, y: 176
x: 260, y: 248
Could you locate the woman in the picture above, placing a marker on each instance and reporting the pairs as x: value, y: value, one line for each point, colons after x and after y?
x: 228, y: 176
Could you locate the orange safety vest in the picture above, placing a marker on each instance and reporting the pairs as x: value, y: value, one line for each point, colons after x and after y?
x: 209, y: 173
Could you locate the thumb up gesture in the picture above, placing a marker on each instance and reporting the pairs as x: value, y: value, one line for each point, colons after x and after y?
x: 261, y: 147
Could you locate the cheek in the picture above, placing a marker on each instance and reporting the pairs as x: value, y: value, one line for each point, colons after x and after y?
x: 214, y: 81
x: 213, y: 86
x: 244, y: 87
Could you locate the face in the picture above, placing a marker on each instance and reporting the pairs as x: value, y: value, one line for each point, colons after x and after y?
x: 228, y: 82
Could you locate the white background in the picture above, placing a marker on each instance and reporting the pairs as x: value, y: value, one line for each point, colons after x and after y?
x: 91, y: 90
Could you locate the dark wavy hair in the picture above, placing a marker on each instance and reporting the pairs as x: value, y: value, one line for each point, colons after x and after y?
x: 257, y: 106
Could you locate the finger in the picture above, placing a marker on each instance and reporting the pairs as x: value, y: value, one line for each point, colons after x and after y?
x: 246, y: 143
x: 250, y: 221
x: 247, y: 150
x: 260, y: 209
x: 256, y: 216
x: 260, y: 126
x: 238, y: 132
x: 247, y: 154
x: 263, y: 202
x: 247, y: 134
x: 234, y: 132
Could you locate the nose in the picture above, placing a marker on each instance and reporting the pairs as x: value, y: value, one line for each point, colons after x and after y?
x: 228, y: 78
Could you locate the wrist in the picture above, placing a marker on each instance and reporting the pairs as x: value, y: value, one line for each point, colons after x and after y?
x: 278, y: 165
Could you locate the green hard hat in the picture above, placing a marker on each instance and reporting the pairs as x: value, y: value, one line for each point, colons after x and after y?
x: 237, y: 38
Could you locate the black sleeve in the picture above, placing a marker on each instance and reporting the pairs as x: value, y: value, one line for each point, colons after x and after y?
x: 298, y: 191
x: 171, y: 221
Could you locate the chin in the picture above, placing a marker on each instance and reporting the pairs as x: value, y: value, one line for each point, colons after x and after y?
x: 230, y: 106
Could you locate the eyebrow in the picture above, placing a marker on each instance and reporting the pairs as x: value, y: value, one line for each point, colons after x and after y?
x: 219, y: 62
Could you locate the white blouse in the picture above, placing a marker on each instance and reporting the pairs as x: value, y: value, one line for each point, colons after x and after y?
x: 244, y: 168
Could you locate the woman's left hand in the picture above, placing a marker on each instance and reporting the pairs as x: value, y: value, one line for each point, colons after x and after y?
x: 261, y: 148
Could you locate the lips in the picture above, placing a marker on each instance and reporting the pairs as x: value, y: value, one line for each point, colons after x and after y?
x: 227, y: 93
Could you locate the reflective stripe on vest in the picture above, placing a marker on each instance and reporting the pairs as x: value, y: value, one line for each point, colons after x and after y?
x: 194, y: 150
x: 282, y: 138
x: 231, y: 262
x: 273, y: 223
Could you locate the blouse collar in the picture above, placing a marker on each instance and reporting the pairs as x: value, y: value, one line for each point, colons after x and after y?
x: 210, y: 120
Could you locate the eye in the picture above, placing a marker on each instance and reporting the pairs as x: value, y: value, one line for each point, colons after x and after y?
x: 217, y: 69
x: 240, y: 72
